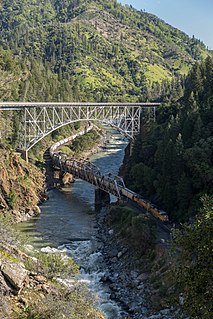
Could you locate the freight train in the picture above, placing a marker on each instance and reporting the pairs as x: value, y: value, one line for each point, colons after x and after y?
x: 151, y: 208
x: 60, y: 159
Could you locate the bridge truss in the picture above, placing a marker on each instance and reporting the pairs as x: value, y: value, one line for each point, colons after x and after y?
x: 37, y: 120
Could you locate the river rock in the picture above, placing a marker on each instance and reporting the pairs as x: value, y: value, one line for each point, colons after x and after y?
x: 67, y: 179
x: 15, y: 273
x: 142, y: 277
x: 134, y: 274
x: 119, y: 254
x: 41, y: 279
x: 105, y: 278
x: 37, y: 210
x: 4, y: 289
x: 17, y: 216
x: 29, y: 212
x: 113, y: 252
x: 111, y: 232
x: 3, y: 204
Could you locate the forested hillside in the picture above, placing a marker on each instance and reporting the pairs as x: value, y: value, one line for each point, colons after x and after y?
x: 99, y: 50
x: 172, y: 160
x: 78, y: 50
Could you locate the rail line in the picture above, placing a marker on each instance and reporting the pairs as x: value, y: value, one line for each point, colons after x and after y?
x: 87, y: 171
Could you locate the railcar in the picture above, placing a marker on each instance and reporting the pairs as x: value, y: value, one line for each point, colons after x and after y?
x: 151, y: 208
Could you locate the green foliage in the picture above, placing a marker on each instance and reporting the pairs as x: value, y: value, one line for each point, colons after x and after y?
x: 171, y: 160
x: 85, y: 142
x: 8, y: 257
x: 54, y: 265
x: 193, y: 267
x: 66, y: 150
x: 75, y: 303
x: 88, y: 51
x: 8, y: 233
x: 12, y: 199
x: 137, y: 227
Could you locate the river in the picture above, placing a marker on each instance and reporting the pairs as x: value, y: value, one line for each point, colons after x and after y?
x: 67, y: 223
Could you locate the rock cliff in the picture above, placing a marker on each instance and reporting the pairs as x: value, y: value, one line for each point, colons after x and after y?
x: 21, y: 187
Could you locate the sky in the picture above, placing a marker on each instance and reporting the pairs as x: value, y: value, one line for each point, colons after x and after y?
x: 194, y: 17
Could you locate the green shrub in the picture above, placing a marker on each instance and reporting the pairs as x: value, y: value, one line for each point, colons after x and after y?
x: 76, y: 303
x: 55, y: 265
x: 85, y: 142
x: 12, y: 199
x: 137, y: 227
x: 8, y: 234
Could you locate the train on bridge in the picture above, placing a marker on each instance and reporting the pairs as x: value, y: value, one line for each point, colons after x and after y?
x: 87, y: 171
x: 145, y: 204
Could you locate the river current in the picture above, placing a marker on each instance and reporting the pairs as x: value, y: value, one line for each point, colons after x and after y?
x: 67, y: 224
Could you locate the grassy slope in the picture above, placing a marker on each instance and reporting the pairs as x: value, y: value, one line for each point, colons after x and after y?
x: 99, y: 49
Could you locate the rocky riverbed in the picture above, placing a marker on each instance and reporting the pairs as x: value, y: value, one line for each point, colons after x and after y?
x: 129, y: 286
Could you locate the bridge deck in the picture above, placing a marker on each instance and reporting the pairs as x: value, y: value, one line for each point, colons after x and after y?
x: 6, y: 106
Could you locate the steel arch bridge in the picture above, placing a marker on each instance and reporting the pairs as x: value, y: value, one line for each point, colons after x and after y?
x: 37, y: 120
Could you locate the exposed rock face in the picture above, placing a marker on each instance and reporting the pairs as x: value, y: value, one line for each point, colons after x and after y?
x: 21, y: 187
x: 3, y: 204
x: 67, y: 179
x: 15, y: 274
x: 4, y: 288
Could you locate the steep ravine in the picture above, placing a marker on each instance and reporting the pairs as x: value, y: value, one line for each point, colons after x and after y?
x: 27, y: 285
x: 108, y: 262
x: 114, y: 259
x: 21, y: 190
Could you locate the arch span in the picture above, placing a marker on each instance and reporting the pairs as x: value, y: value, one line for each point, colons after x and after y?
x: 40, y: 119
x: 40, y: 136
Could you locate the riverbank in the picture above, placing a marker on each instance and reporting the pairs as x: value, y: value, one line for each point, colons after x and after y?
x: 32, y: 287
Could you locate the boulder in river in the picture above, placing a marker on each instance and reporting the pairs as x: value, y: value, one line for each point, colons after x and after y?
x: 67, y: 179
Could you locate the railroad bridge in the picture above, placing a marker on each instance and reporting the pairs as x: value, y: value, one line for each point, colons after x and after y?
x: 85, y: 170
x: 37, y: 120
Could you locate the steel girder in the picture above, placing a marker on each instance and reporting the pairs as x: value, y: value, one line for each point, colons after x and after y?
x: 40, y: 119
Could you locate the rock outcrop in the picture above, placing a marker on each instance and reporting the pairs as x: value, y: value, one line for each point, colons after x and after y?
x: 14, y: 274
x: 21, y: 187
x: 67, y: 179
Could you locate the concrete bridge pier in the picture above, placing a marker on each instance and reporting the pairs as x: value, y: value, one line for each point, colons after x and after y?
x: 102, y: 199
x: 57, y: 178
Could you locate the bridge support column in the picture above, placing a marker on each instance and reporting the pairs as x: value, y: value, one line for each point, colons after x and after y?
x: 24, y: 155
x: 57, y: 178
x: 102, y: 199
